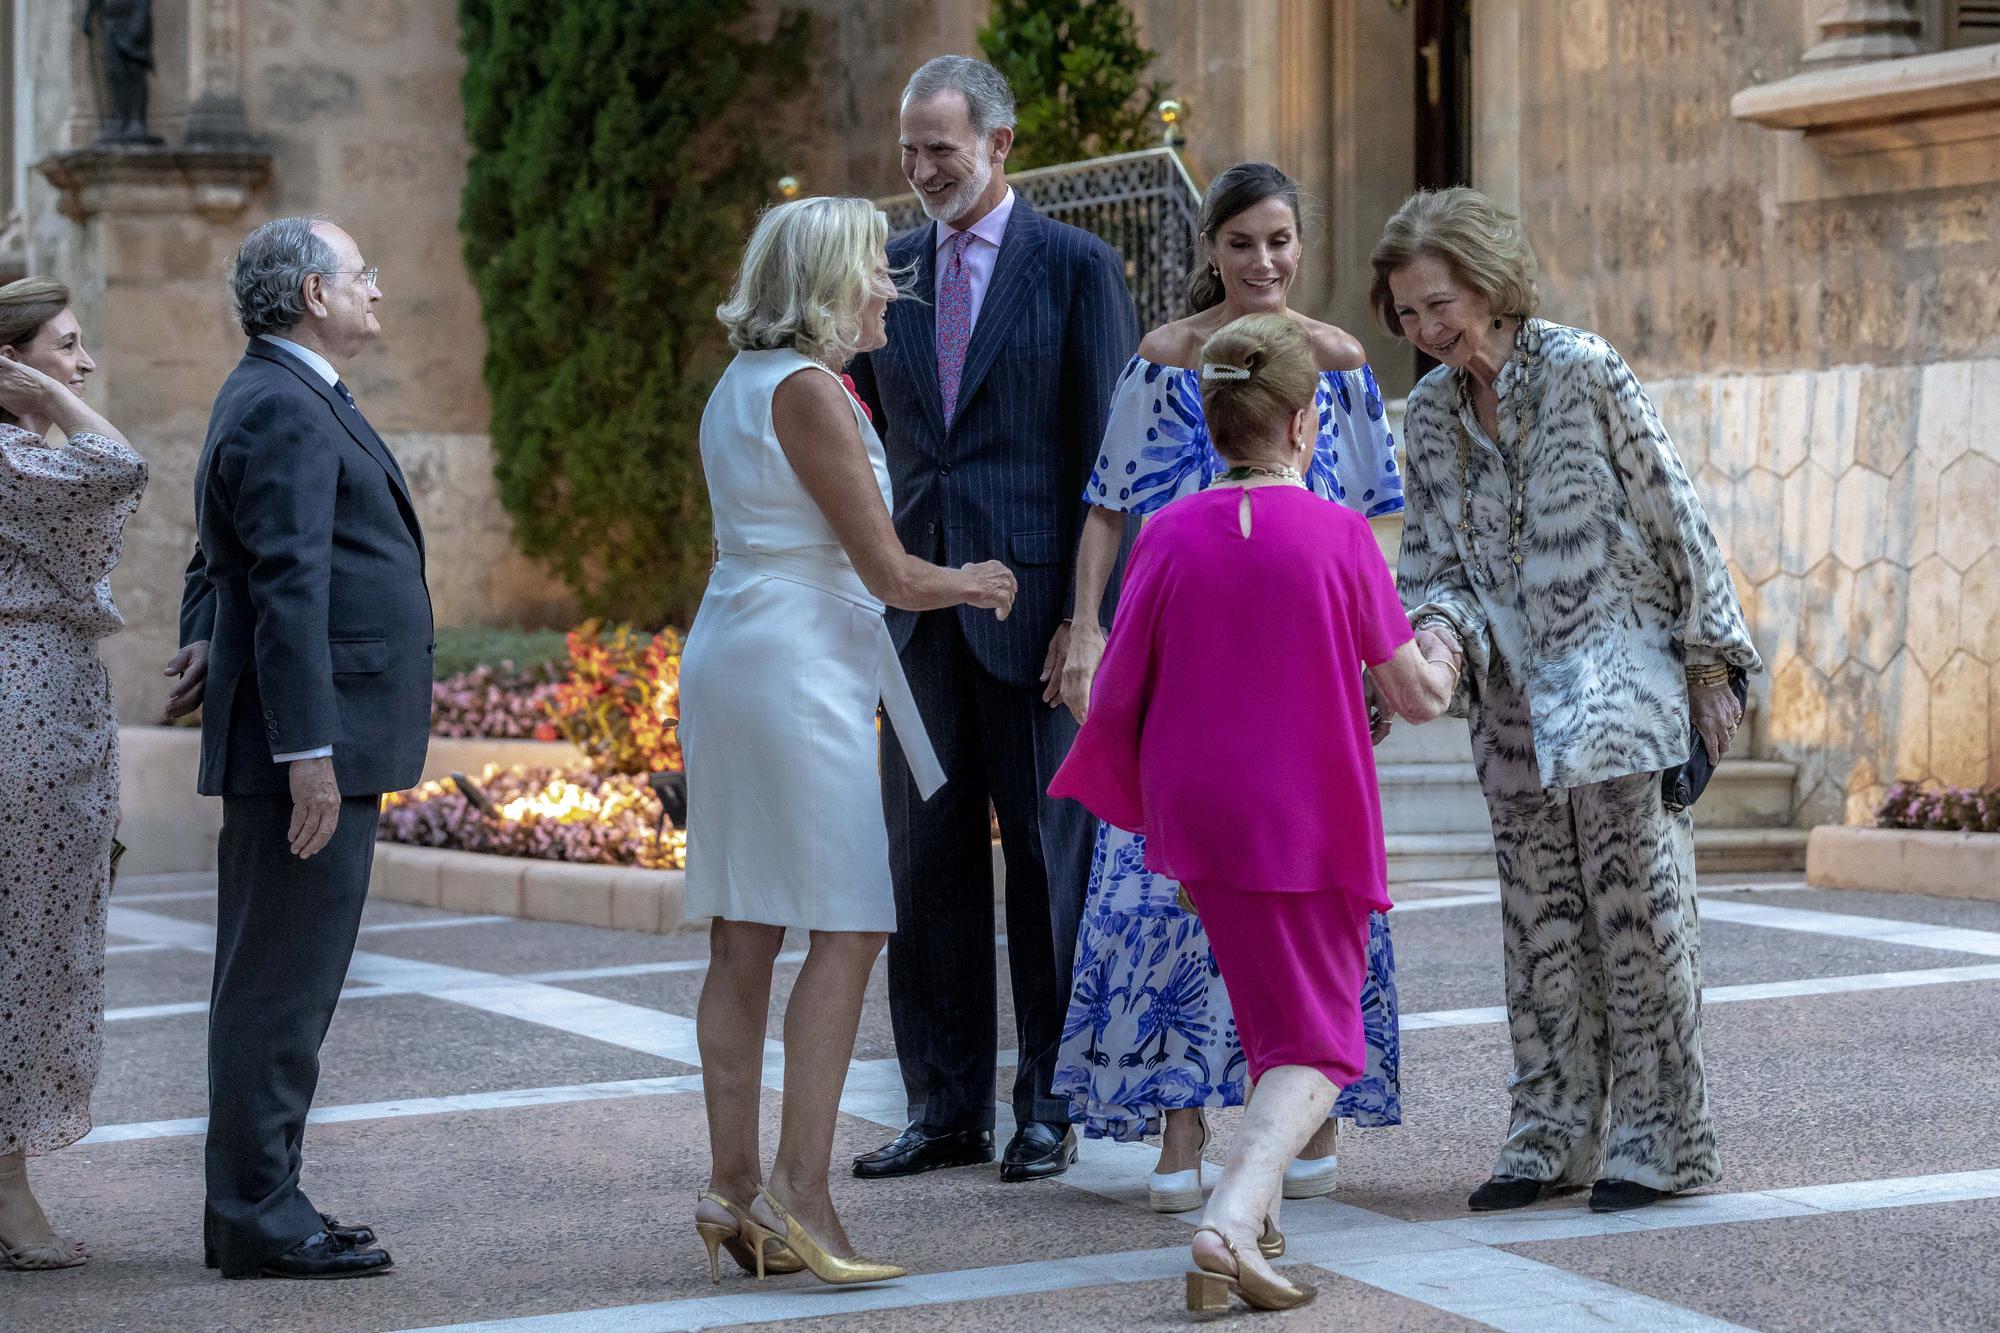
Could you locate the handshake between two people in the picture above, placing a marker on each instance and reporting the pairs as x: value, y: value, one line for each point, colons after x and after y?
x: 1416, y: 684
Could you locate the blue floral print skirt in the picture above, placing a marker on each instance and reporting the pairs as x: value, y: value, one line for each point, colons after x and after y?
x: 1150, y: 1028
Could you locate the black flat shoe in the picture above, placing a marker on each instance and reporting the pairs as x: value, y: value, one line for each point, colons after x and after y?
x: 1504, y: 1192
x: 1618, y: 1196
x: 321, y: 1256
x: 916, y: 1150
x: 1037, y: 1151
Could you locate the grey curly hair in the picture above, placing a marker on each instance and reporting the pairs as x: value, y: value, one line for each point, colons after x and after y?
x: 270, y: 267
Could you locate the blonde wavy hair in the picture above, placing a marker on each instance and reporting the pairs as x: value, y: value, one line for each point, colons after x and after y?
x: 808, y: 270
x: 1255, y: 373
x: 1481, y: 242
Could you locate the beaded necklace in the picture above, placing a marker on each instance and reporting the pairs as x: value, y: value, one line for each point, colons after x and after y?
x: 1517, y: 471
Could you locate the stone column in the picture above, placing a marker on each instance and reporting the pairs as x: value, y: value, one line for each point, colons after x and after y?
x: 215, y: 75
x: 1855, y: 30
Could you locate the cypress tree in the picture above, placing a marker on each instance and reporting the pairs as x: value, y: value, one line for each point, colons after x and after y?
x: 617, y: 165
x: 1074, y: 66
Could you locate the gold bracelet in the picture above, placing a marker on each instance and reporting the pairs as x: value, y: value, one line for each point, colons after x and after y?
x: 1712, y: 673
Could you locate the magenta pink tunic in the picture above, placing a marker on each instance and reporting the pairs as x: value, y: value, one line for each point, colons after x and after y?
x: 1228, y: 726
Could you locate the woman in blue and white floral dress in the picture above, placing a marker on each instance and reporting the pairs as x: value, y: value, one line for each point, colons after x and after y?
x: 1151, y: 1039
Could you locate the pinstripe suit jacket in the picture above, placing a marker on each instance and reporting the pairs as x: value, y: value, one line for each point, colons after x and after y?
x: 1005, y: 481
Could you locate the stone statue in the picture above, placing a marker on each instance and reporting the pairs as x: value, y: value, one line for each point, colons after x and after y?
x: 127, y: 50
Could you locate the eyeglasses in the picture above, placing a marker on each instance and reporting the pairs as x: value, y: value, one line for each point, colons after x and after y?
x: 367, y: 275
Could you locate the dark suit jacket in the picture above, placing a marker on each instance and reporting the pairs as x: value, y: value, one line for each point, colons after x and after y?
x: 1005, y: 482
x: 308, y: 583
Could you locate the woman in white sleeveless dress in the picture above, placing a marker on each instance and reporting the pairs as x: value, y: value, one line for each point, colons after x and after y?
x: 784, y: 667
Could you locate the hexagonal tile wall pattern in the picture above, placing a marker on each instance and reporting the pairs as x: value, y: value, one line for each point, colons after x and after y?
x: 1859, y: 507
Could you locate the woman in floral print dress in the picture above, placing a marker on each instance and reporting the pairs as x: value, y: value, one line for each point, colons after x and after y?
x: 63, y: 508
x: 1151, y: 1039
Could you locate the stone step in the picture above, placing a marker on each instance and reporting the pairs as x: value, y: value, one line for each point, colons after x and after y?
x: 1444, y: 797
x: 1424, y: 856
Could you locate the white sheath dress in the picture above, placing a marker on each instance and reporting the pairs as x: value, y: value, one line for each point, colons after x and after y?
x: 780, y: 678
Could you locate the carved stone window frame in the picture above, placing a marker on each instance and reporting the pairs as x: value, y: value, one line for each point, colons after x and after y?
x: 1877, y: 108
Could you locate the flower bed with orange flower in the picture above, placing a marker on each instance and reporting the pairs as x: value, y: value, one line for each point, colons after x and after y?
x: 617, y: 701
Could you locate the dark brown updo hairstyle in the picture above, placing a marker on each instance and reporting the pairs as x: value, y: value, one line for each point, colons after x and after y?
x: 1244, y: 185
x: 26, y: 306
x: 1255, y: 373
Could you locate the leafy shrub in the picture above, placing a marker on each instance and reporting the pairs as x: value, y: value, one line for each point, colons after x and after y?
x: 620, y: 702
x: 463, y: 648
x: 1911, y: 805
x: 1074, y: 66
x: 619, y: 154
x: 550, y: 814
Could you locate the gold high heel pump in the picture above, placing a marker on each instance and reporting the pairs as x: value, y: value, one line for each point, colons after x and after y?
x: 752, y: 1255
x: 828, y: 1268
x: 1209, y: 1289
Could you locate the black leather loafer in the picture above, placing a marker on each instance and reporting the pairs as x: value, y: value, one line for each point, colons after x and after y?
x: 1037, y: 1151
x: 1504, y: 1192
x: 916, y: 1150
x: 321, y: 1257
x: 1618, y: 1196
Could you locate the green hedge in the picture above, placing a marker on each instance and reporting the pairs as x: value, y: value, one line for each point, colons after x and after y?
x: 463, y: 647
x: 619, y: 157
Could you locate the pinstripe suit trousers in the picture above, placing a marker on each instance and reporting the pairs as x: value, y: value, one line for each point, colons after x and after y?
x: 997, y: 742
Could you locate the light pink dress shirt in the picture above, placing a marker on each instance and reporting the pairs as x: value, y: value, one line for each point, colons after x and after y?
x: 982, y: 254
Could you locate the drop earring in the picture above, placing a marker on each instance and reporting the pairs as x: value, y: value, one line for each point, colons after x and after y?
x: 1497, y: 321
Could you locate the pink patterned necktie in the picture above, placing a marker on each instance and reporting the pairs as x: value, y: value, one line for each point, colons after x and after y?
x: 954, y: 321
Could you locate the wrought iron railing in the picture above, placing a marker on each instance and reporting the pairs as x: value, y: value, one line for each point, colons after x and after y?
x: 1144, y: 205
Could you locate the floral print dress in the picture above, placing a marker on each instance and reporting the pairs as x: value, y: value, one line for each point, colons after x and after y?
x: 1150, y: 1027
x: 62, y: 519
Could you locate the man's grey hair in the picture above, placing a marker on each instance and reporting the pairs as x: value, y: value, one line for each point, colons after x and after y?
x: 988, y: 99
x: 270, y: 267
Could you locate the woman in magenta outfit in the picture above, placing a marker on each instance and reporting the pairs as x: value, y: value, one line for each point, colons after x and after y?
x: 1269, y: 817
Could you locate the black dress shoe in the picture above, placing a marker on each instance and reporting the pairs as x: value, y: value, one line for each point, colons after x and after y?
x: 1504, y: 1192
x: 917, y: 1150
x: 322, y: 1256
x: 353, y: 1237
x: 1617, y: 1196
x: 1037, y: 1151
x: 359, y: 1237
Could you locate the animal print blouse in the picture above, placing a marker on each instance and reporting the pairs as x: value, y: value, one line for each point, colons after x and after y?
x: 1616, y: 583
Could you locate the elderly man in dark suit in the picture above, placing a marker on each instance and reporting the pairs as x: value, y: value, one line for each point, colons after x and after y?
x: 307, y: 631
x: 991, y: 397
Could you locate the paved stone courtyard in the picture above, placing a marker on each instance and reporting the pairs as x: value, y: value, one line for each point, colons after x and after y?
x: 516, y: 1107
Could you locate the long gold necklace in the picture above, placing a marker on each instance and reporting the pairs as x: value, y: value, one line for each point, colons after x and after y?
x: 1245, y: 471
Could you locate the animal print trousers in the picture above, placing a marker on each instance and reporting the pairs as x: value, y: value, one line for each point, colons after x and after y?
x: 1603, y: 969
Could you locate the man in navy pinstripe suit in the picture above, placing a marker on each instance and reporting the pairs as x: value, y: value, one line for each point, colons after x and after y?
x: 991, y: 398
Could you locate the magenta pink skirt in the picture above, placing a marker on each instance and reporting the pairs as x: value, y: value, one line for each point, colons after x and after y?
x: 1294, y: 964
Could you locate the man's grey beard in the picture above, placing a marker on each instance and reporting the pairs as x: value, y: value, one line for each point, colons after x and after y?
x: 955, y: 204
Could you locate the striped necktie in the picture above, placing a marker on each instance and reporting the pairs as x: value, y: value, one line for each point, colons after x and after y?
x: 954, y: 327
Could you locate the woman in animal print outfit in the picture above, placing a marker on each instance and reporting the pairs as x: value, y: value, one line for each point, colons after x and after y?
x: 1552, y: 534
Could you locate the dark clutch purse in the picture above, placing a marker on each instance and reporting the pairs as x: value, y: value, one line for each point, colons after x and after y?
x: 1682, y: 785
